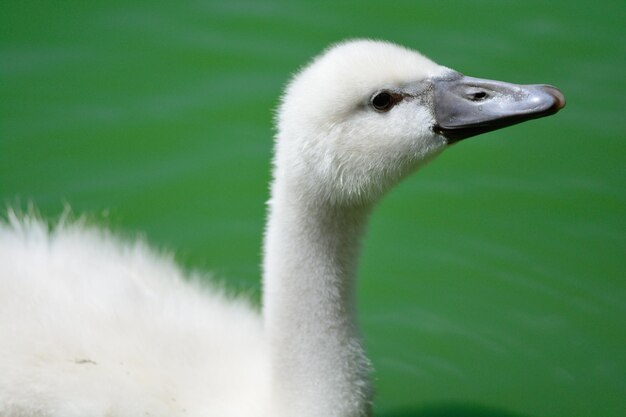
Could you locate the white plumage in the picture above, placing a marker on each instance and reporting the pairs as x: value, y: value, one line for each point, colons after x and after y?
x: 94, y: 326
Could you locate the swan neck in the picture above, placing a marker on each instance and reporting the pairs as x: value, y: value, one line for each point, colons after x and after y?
x: 317, y: 360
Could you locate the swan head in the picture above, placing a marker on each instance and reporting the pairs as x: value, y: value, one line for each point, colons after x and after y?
x: 365, y: 114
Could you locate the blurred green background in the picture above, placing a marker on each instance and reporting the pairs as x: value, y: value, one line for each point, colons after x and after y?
x: 492, y: 283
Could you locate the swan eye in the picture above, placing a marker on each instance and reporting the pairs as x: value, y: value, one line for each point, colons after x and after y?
x: 383, y: 101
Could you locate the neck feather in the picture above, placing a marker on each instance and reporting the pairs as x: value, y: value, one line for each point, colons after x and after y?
x: 317, y: 361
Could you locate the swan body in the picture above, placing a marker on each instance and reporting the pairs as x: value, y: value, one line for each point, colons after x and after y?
x: 91, y: 325
x: 114, y: 329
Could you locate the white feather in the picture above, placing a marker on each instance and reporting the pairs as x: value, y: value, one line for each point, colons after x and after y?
x: 94, y: 326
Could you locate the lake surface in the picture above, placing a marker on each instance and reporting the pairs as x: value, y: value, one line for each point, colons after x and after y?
x: 492, y: 282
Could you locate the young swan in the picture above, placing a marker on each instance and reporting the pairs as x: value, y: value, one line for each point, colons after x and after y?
x: 91, y: 326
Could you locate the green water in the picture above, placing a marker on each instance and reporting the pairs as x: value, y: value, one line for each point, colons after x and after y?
x: 492, y: 283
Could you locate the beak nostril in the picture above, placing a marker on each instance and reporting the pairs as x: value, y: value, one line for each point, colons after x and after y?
x: 478, y: 96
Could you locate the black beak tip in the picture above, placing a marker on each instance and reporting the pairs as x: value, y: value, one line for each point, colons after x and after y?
x: 557, y: 95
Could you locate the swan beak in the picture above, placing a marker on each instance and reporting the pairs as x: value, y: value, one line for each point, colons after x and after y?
x: 466, y: 106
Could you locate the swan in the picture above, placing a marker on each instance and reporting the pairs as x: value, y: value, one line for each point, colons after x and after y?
x: 93, y: 325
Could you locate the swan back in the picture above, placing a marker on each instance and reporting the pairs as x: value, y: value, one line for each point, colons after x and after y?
x: 92, y: 325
